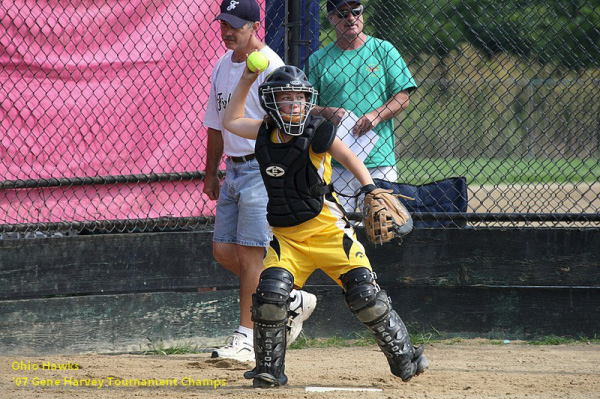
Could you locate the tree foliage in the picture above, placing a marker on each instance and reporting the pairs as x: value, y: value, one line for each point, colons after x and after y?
x: 565, y: 32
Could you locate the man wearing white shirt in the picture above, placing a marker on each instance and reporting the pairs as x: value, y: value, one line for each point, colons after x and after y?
x: 241, y: 229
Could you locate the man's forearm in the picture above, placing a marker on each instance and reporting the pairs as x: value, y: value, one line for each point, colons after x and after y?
x: 396, y: 104
x: 214, y: 151
x: 387, y: 111
x: 332, y: 114
x: 321, y: 111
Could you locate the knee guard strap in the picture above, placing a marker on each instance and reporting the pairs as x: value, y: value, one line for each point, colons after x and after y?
x: 270, y: 313
x: 372, y: 306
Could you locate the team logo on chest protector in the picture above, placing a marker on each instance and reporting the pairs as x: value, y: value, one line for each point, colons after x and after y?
x: 275, y: 171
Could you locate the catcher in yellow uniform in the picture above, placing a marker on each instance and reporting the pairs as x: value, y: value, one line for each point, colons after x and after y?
x: 310, y: 231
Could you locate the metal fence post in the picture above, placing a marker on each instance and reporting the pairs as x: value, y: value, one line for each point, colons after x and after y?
x: 292, y: 29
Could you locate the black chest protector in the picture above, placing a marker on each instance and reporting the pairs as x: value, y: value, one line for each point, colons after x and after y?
x: 296, y: 191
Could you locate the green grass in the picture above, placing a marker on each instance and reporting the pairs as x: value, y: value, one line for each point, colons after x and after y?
x: 556, y: 340
x: 160, y: 348
x: 332, y: 342
x: 365, y: 339
x: 500, y: 171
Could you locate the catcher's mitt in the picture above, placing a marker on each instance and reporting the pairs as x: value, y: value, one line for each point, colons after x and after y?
x: 384, y: 216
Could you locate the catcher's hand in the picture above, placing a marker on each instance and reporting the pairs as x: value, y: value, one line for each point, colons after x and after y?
x: 384, y: 215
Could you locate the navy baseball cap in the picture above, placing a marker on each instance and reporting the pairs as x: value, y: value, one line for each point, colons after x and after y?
x: 333, y: 5
x: 239, y: 12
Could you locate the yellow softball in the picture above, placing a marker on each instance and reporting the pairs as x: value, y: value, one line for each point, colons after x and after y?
x: 257, y: 60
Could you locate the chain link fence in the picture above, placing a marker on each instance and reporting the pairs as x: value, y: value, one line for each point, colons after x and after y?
x: 102, y: 103
x: 507, y: 98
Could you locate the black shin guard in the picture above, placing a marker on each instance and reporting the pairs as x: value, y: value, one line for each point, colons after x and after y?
x: 270, y: 314
x: 373, y: 308
x: 392, y: 337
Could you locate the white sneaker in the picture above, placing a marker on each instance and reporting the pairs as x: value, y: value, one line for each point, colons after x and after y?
x: 238, y: 347
x: 299, y: 314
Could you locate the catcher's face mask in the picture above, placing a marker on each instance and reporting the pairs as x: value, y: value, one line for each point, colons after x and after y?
x: 288, y: 97
x: 291, y: 108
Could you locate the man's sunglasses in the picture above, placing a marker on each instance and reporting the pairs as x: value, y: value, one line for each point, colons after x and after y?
x: 357, y: 11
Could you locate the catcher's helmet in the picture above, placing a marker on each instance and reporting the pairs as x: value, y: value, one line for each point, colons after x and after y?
x: 287, y: 78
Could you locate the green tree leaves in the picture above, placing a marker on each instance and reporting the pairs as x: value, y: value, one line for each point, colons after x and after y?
x: 558, y: 31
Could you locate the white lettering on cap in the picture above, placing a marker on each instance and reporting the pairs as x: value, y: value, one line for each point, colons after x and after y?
x: 232, y: 5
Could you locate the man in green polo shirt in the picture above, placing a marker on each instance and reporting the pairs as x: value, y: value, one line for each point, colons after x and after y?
x: 367, y: 77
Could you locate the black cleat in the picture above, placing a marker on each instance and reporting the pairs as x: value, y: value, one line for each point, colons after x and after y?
x: 266, y: 380
x: 407, y: 370
x: 421, y: 361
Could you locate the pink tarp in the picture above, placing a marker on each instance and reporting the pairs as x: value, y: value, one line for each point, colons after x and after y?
x: 97, y: 88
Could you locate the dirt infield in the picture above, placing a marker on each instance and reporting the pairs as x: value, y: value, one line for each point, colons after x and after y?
x: 469, y: 369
